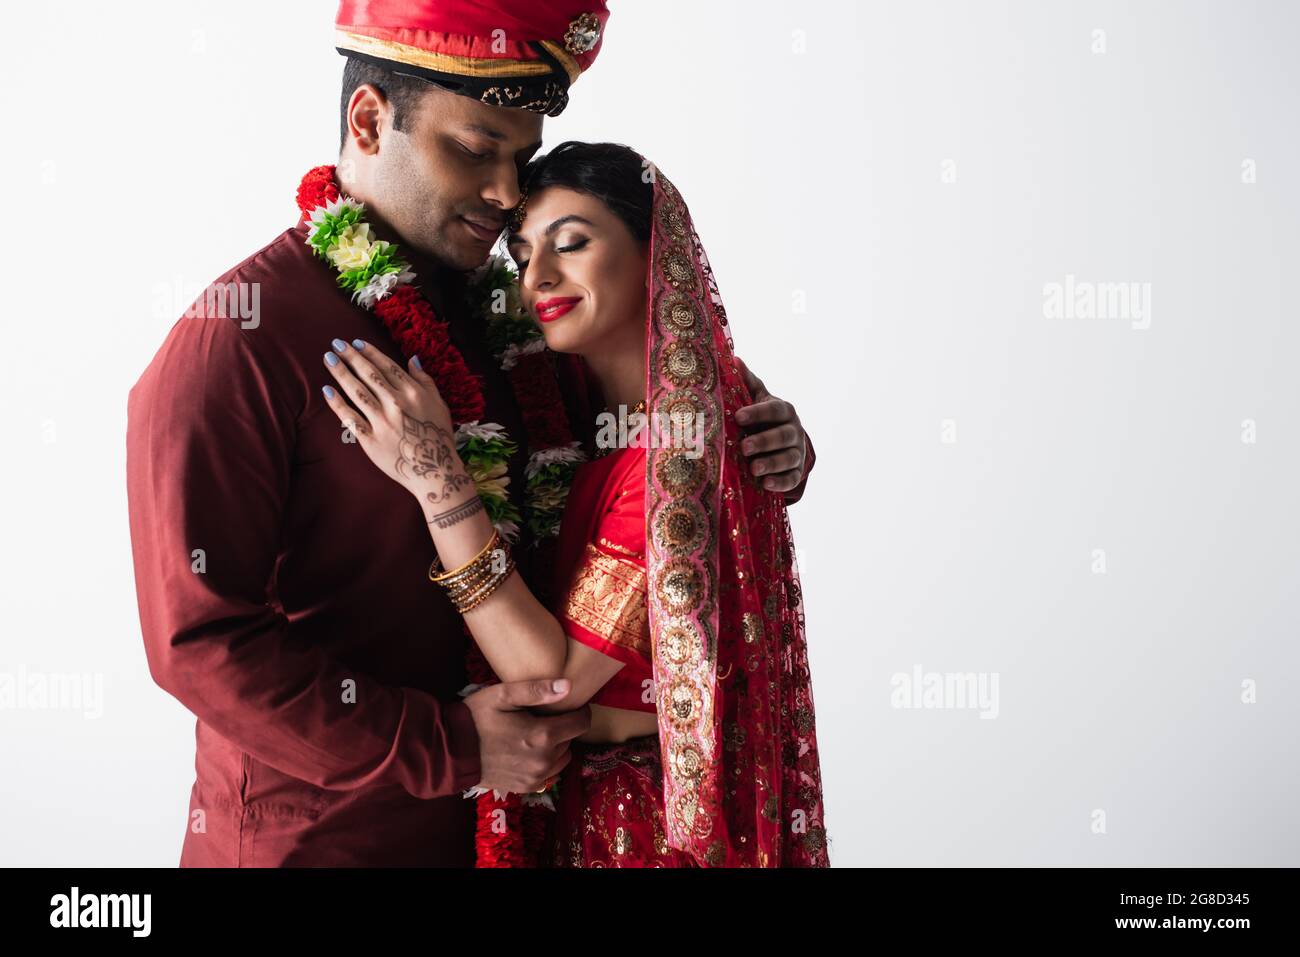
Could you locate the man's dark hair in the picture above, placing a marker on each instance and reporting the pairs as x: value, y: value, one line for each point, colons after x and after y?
x: 611, y: 172
x: 402, y: 92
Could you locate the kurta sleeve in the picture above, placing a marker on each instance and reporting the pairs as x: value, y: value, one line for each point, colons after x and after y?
x: 605, y: 605
x: 210, y: 441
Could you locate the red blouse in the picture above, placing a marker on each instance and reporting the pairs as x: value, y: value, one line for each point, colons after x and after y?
x: 600, y: 570
x: 601, y: 573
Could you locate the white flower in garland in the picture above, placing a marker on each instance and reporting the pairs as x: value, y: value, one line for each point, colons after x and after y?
x: 380, y: 286
x: 560, y: 455
x: 491, y: 264
x: 332, y: 210
x: 492, y: 481
x: 486, y: 449
x: 509, y: 529
x: 542, y: 800
x: 549, y: 474
x: 368, y: 267
x: 479, y: 430
x: 353, y: 248
x: 511, y: 353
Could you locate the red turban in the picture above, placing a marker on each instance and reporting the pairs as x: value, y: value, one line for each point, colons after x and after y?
x: 517, y: 53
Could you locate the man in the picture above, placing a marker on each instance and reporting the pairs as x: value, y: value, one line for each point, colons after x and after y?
x: 281, y: 578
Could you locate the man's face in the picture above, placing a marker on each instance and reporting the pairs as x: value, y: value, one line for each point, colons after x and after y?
x: 447, y: 182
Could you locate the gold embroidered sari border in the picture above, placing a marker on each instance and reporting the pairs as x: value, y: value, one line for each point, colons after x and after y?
x: 608, y: 598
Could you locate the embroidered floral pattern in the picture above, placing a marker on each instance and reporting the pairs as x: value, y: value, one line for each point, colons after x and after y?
x: 608, y: 598
x: 742, y: 778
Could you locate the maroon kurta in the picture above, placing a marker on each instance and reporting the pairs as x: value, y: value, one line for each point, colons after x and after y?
x: 283, y: 594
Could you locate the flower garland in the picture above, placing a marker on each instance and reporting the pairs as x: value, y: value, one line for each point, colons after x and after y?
x: 515, y: 339
x: 510, y: 827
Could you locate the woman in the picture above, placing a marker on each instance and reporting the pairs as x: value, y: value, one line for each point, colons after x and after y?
x: 679, y: 615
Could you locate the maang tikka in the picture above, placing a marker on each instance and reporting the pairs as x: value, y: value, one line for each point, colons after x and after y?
x: 517, y: 214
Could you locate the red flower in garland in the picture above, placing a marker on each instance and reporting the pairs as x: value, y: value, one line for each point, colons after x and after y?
x: 415, y: 327
x: 547, y: 423
x: 317, y: 188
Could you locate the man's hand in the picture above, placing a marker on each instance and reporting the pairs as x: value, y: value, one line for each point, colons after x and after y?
x: 776, y: 445
x: 521, y: 752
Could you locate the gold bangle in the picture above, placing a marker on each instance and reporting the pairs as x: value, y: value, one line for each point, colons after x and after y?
x: 471, y: 588
x: 460, y: 595
x: 471, y: 583
x: 484, y: 568
x: 486, y: 590
x: 445, y: 576
x: 441, y: 577
x: 470, y: 597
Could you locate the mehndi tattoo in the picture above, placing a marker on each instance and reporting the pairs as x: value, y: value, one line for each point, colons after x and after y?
x: 458, y: 514
x: 427, y: 451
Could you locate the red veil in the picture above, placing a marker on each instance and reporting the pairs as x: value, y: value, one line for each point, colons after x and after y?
x: 742, y: 781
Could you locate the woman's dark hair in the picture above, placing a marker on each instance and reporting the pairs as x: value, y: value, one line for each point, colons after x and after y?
x: 614, y: 174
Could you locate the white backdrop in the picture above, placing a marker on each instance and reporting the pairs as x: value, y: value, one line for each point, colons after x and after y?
x: 1095, y: 517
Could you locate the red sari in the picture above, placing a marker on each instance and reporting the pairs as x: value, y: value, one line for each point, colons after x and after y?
x: 610, y: 808
x: 675, y: 561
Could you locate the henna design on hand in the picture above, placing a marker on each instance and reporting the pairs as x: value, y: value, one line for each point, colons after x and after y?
x: 427, y: 451
x: 458, y: 514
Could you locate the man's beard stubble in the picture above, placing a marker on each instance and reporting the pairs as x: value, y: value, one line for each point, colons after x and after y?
x: 422, y: 221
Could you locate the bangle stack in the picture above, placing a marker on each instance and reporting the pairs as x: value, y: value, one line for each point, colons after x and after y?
x: 479, y: 577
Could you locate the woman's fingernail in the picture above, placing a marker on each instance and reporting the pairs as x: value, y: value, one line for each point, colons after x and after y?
x: 331, y: 359
x: 415, y: 361
x: 358, y: 343
x: 339, y: 345
x: 328, y: 390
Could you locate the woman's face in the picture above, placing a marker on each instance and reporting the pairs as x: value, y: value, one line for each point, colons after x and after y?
x: 582, y: 272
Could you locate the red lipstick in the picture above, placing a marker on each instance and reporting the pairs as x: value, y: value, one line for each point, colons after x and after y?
x: 548, y: 310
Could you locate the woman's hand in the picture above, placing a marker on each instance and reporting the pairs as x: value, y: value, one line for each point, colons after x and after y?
x: 400, y: 421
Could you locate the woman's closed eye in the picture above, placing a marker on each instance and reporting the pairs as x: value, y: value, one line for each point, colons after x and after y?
x: 572, y: 247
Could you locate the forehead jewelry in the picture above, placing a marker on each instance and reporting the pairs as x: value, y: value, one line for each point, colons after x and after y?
x: 517, y: 215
